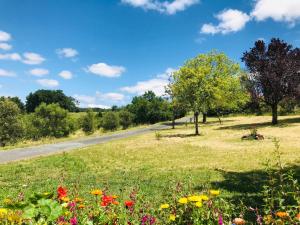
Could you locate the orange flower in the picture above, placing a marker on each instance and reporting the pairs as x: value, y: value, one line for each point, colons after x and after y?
x: 61, y: 192
x: 129, y: 204
x: 115, y: 203
x: 282, y: 214
x: 96, y: 192
x: 298, y: 216
x: 77, y: 200
x: 81, y: 206
x: 239, y: 221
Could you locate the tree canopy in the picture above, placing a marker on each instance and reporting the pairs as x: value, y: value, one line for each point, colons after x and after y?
x: 33, y: 100
x: 274, y: 71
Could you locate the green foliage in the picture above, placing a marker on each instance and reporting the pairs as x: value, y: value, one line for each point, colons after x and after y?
x: 11, y: 129
x: 158, y: 135
x: 287, y: 105
x: 16, y: 100
x: 110, y: 121
x: 33, y: 100
x: 126, y: 118
x: 149, y: 108
x: 51, y: 120
x: 88, y: 123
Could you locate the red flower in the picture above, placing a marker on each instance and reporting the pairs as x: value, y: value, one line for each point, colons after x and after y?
x: 61, y: 192
x: 129, y: 204
x: 106, y: 200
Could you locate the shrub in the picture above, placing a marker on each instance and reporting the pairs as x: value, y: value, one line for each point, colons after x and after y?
x: 51, y: 120
x: 10, y: 124
x: 110, y: 121
x: 126, y: 118
x: 88, y: 123
x: 158, y: 135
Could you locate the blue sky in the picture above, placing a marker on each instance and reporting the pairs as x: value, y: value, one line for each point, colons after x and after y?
x: 103, y: 52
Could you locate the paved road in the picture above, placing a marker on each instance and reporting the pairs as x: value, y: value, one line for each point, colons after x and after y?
x: 35, y: 151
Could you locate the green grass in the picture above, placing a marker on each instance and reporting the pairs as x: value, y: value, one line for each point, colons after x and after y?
x: 217, y: 158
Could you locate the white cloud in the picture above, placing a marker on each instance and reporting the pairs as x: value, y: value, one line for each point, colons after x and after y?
x: 166, y: 7
x: 111, y: 96
x: 48, y: 83
x: 4, y: 36
x: 65, y: 74
x: 10, y: 56
x: 6, y: 73
x: 32, y: 58
x: 85, y: 99
x: 278, y: 10
x: 98, y: 106
x: 5, y: 46
x: 67, y: 52
x: 157, y: 84
x: 39, y: 72
x: 105, y: 70
x: 231, y: 20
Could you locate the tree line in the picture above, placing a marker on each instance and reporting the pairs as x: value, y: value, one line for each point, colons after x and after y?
x: 50, y: 113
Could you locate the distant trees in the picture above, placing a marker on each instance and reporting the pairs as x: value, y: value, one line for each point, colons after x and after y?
x: 52, y: 121
x: 10, y: 123
x: 274, y: 72
x: 16, y: 100
x: 208, y: 82
x: 110, y: 121
x: 88, y: 123
x: 33, y: 100
x: 126, y: 118
x: 149, y: 108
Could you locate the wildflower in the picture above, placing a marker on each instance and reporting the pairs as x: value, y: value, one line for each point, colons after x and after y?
x: 183, y: 200
x: 81, y: 206
x: 164, y: 206
x: 214, y: 192
x: 7, y: 201
x: 96, y: 192
x: 298, y: 216
x: 172, y: 217
x: 61, y: 192
x: 65, y: 199
x: 129, y: 204
x: 220, y: 222
x: 268, y: 219
x: 73, y: 221
x: 239, y: 221
x: 115, y: 203
x: 282, y: 214
x: 3, y: 213
x: 72, y: 206
x: 204, y: 197
x: 77, y: 200
x: 198, y: 204
x: 195, y: 198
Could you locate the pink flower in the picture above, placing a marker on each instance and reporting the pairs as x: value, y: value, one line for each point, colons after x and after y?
x: 73, y: 221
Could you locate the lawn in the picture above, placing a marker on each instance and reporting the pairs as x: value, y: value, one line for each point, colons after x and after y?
x: 218, y: 158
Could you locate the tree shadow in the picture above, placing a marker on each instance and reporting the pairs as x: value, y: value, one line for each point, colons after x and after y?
x: 179, y: 135
x: 282, y: 123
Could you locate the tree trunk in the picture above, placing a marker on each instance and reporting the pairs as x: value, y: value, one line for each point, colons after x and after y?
x: 204, y: 117
x: 173, y: 123
x: 274, y: 114
x: 196, y: 123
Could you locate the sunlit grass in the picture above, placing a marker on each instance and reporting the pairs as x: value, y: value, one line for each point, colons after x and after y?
x: 217, y: 158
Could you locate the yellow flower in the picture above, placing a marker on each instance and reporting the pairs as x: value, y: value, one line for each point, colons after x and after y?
x: 164, y: 206
x: 214, y: 192
x: 172, y: 217
x: 7, y: 201
x: 3, y: 213
x: 183, y: 200
x: 195, y: 198
x: 198, y: 204
x: 204, y: 197
x: 65, y: 199
x: 96, y: 192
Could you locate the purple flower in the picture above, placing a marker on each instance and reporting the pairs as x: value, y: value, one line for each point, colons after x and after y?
x: 220, y: 219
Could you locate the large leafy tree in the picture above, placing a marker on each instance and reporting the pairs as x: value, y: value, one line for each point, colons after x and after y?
x: 274, y: 71
x: 208, y: 82
x: 16, y: 100
x: 33, y: 100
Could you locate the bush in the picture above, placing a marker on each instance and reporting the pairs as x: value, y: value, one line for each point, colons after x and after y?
x: 110, y: 121
x: 51, y: 120
x: 88, y: 123
x: 11, y: 129
x: 126, y: 118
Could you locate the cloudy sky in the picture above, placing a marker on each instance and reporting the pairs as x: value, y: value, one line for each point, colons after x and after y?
x: 104, y: 52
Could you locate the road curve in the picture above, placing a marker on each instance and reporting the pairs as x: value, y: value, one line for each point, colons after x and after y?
x: 47, y: 149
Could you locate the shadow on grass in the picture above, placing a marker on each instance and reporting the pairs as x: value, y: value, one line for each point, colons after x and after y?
x: 282, y: 123
x: 179, y: 135
x: 247, y: 186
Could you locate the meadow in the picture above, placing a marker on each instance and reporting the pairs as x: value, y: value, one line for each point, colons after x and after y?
x: 156, y: 167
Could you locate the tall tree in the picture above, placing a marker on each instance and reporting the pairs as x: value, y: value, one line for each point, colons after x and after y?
x: 33, y: 100
x: 274, y: 70
x: 16, y: 100
x: 208, y: 81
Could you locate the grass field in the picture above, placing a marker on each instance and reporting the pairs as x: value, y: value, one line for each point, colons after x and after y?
x: 217, y: 158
